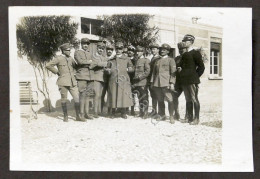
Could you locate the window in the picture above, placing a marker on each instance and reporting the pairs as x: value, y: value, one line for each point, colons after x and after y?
x: 90, y: 26
x: 215, y: 60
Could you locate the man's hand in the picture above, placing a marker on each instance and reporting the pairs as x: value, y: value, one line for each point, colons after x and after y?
x: 89, y: 62
x: 136, y: 78
x: 172, y: 87
x: 179, y: 69
x: 58, y: 73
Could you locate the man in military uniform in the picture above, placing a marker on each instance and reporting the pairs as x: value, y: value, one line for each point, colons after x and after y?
x: 99, y: 62
x: 163, y: 81
x: 119, y: 86
x: 191, y: 68
x: 109, y: 51
x: 131, y: 55
x: 155, y: 52
x: 66, y: 80
x: 142, y: 70
x: 84, y: 76
x: 178, y: 88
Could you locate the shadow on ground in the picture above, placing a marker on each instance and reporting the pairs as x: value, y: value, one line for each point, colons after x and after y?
x: 216, y: 124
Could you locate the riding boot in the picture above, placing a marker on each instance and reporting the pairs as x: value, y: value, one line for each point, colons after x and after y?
x: 197, y: 113
x: 113, y: 113
x: 161, y: 111
x: 145, y: 116
x: 64, y: 109
x: 133, y: 110
x: 123, y: 113
x: 171, y: 109
x: 78, y: 114
x: 176, y: 109
x: 87, y: 116
x: 190, y: 111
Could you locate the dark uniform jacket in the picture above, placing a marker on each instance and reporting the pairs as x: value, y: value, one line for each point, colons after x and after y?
x: 153, y: 60
x: 177, y: 61
x: 142, y: 71
x: 83, y: 71
x: 164, y: 72
x: 192, y: 67
x: 65, y: 69
x: 98, y: 64
x: 119, y: 86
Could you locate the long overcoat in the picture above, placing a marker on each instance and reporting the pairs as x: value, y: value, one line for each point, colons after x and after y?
x: 119, y: 86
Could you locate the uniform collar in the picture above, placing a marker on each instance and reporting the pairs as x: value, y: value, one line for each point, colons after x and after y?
x: 141, y: 57
x: 166, y: 56
x: 190, y: 48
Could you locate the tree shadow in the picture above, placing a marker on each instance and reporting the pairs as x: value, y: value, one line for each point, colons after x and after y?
x: 57, y: 112
x: 216, y: 124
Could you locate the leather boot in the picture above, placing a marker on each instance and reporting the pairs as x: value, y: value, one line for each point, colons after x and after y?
x: 172, y: 121
x: 123, y: 113
x: 78, y: 114
x: 145, y: 116
x: 197, y: 111
x: 86, y: 104
x: 133, y: 111
x: 64, y: 109
x: 176, y: 108
x: 113, y: 113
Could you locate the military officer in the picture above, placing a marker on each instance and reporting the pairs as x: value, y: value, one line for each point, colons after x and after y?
x: 109, y: 51
x: 85, y: 77
x: 131, y: 55
x: 163, y: 81
x: 66, y: 80
x: 178, y: 88
x: 119, y: 87
x: 142, y: 71
x: 191, y: 68
x: 155, y: 52
x: 98, y: 65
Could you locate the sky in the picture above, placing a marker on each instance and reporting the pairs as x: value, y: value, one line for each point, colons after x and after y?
x: 212, y: 16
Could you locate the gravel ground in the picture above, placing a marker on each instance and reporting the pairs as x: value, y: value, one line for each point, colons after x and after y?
x: 134, y: 140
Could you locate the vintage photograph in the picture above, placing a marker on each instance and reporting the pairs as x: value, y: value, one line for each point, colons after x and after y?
x: 119, y: 86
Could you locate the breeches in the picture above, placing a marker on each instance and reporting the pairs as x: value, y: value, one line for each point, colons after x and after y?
x: 73, y: 91
x: 191, y: 92
x: 163, y: 93
x: 86, y: 88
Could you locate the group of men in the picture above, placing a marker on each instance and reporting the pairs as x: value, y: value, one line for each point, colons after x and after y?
x: 127, y: 74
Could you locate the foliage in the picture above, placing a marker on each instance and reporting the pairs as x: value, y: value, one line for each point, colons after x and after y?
x: 132, y: 29
x: 40, y: 36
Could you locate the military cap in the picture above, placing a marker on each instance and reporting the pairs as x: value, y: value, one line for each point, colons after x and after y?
x: 109, y: 47
x: 85, y: 41
x: 165, y: 46
x: 131, y: 48
x: 101, y: 44
x: 119, y: 45
x: 188, y: 37
x: 139, y: 49
x: 181, y: 45
x: 154, y: 45
x: 65, y: 46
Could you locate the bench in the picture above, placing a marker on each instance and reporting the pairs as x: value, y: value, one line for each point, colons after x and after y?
x: 28, y: 97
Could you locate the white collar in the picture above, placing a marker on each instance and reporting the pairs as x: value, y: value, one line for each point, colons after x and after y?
x: 141, y: 57
x: 119, y: 55
x: 190, y: 48
x: 166, y: 56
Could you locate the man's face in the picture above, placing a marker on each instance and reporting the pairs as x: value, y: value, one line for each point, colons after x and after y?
x: 155, y: 51
x: 100, y: 50
x: 139, y: 53
x: 119, y: 50
x: 84, y: 46
x: 182, y: 51
x: 130, y: 53
x: 66, y: 52
x: 109, y: 52
x: 164, y: 52
x: 188, y: 44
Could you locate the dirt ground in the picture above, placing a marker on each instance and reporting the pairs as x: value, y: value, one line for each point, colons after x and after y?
x: 48, y: 139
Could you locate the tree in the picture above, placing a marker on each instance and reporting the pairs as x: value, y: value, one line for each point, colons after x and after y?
x: 132, y: 29
x: 38, y: 38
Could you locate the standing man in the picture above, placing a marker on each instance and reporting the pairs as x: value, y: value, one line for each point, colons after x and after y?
x: 119, y: 87
x: 192, y: 67
x: 131, y: 55
x: 163, y: 81
x: 155, y: 52
x: 66, y: 81
x: 98, y: 65
x: 109, y: 51
x: 142, y: 71
x: 84, y: 76
x: 178, y: 88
